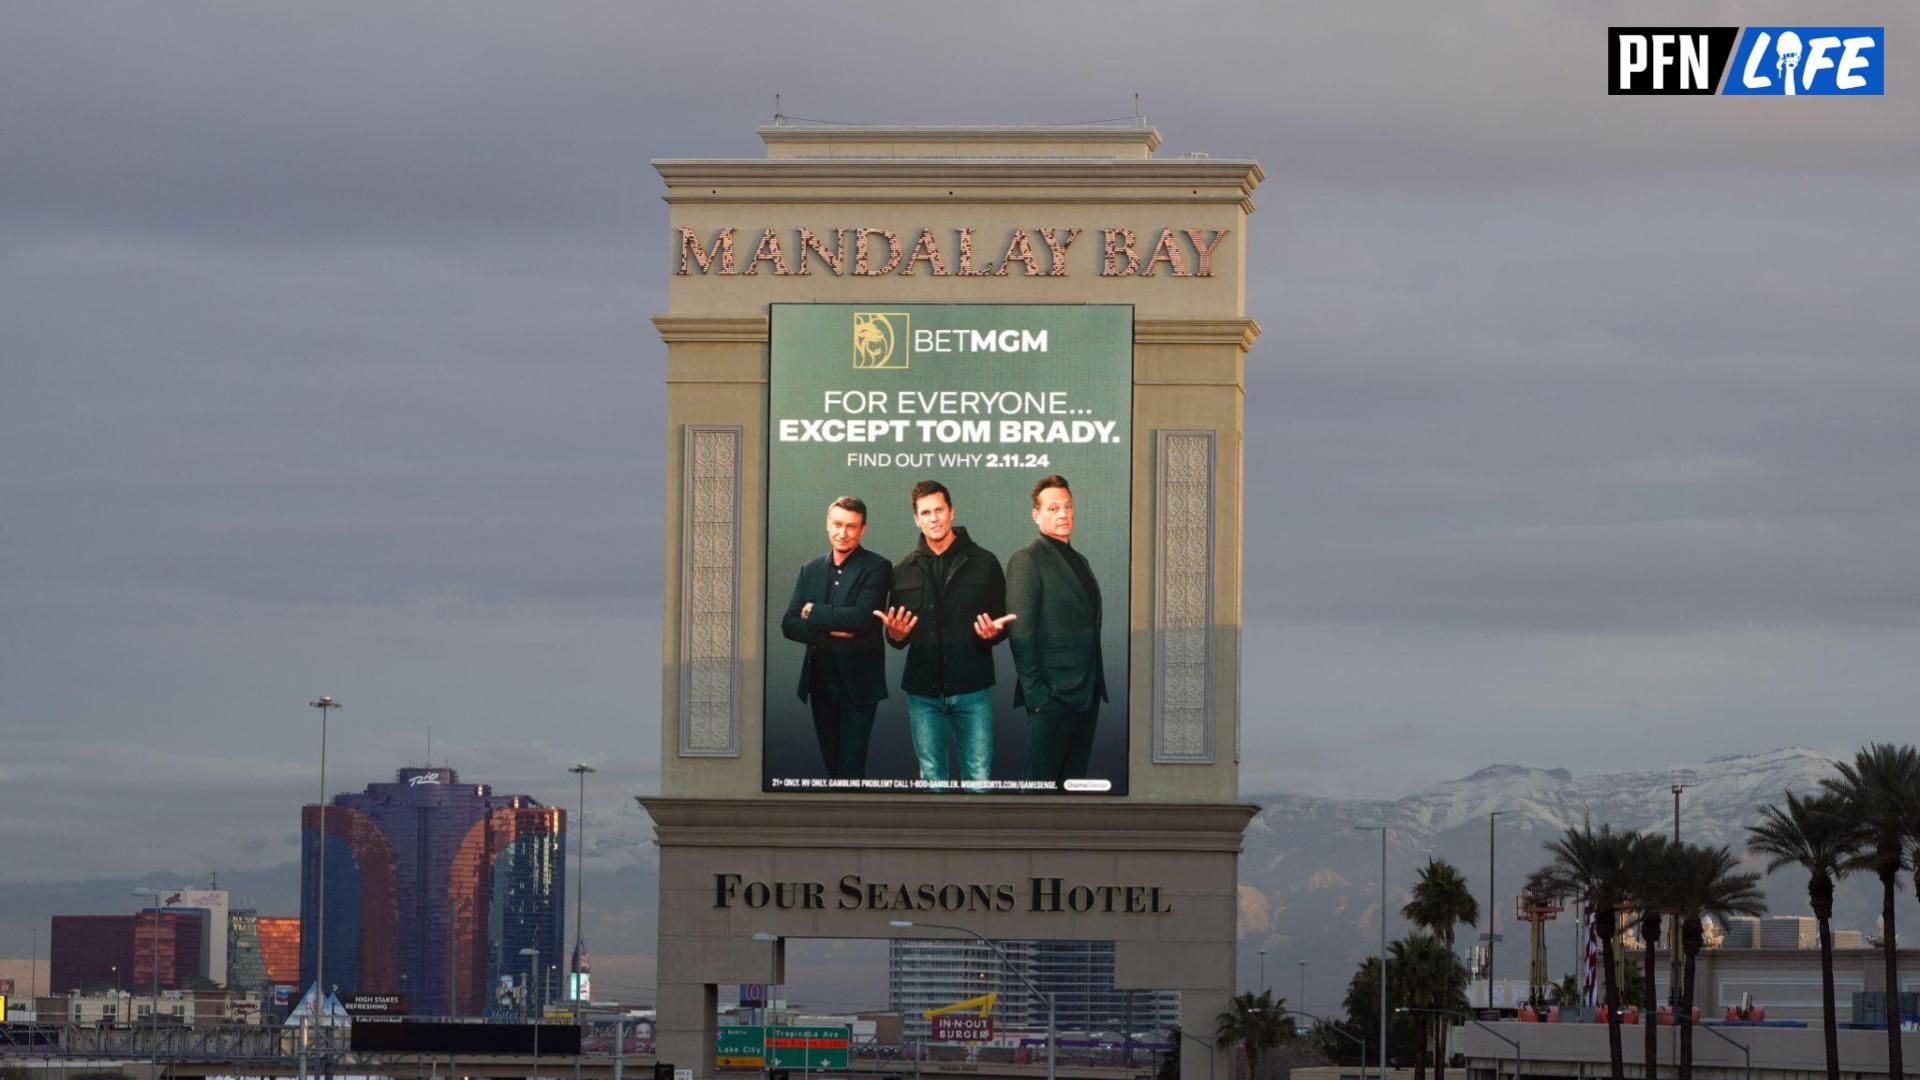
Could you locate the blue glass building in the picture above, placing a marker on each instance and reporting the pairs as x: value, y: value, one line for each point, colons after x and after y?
x: 433, y: 889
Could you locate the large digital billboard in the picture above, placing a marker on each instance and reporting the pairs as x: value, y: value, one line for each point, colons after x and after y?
x: 948, y: 548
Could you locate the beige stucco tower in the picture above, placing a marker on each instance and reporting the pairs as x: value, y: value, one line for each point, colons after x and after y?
x: 1167, y: 236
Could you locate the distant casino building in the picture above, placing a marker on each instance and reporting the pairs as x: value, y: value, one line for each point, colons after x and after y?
x: 123, y: 950
x: 433, y: 888
x: 262, y: 951
x: 1078, y: 975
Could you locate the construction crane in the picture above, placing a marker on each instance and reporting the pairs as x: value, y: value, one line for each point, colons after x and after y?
x: 1537, y: 912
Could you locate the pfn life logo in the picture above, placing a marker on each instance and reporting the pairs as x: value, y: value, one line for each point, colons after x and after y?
x: 1788, y: 61
x: 1792, y: 61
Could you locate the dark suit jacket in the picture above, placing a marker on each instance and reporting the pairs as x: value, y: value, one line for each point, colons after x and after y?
x: 1056, y: 639
x: 860, y: 659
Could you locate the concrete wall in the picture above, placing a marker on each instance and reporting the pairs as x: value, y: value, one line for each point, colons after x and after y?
x: 1787, y: 981
x: 1580, y: 1050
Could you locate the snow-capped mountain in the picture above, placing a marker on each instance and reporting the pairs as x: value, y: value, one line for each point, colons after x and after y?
x: 1310, y: 883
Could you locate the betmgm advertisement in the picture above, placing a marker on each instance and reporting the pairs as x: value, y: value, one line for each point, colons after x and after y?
x: 949, y: 492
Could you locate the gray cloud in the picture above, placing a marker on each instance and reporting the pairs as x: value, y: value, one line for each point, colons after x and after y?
x: 1581, y: 427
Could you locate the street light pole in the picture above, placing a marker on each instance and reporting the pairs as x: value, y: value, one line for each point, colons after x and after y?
x: 580, y: 883
x: 1742, y: 1047
x: 1263, y: 969
x: 1673, y: 923
x: 1303, y: 984
x: 1493, y: 909
x: 766, y: 1003
x: 907, y: 924
x: 1185, y: 1034
x: 535, y: 970
x: 326, y: 705
x: 1364, y: 827
x: 1343, y: 1033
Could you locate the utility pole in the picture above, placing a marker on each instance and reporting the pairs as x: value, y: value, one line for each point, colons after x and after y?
x: 1369, y: 826
x: 579, y: 993
x: 1492, y: 907
x: 326, y: 705
x: 1673, y: 923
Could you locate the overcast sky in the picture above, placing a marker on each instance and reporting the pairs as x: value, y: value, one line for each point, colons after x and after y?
x: 1583, y: 430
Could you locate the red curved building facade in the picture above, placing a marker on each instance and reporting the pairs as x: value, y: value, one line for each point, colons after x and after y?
x: 434, y: 888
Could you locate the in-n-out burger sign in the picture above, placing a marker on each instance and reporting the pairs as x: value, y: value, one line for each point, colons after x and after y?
x: 866, y: 251
x: 852, y: 893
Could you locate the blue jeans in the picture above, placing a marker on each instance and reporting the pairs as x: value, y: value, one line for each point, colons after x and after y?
x: 964, y: 723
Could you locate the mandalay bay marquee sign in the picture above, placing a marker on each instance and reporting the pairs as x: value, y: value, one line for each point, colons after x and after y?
x: 948, y: 550
x: 869, y: 251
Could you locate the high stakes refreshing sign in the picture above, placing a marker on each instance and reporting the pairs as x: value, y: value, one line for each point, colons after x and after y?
x: 949, y: 490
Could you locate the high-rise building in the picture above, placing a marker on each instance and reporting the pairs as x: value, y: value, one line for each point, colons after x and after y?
x: 123, y: 950
x: 263, y: 951
x: 1078, y: 975
x: 90, y: 950
x: 210, y: 907
x: 924, y: 975
x: 433, y: 889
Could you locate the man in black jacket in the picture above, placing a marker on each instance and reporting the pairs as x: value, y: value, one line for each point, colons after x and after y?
x: 1056, y: 640
x: 844, y: 675
x: 944, y: 595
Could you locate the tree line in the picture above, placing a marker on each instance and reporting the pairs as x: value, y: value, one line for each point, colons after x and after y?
x: 1864, y: 820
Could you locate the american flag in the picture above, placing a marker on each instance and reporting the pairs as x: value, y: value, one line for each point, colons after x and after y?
x: 1589, y: 984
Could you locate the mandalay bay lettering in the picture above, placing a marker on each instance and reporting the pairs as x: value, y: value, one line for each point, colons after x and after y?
x: 852, y: 893
x: 868, y: 251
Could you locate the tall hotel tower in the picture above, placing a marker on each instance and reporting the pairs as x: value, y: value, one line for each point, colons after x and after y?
x: 433, y: 889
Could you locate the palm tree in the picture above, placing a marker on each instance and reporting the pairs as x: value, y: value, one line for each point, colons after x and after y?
x: 1647, y: 870
x: 1706, y: 882
x: 1565, y: 992
x: 1592, y: 866
x: 1254, y: 1023
x: 1812, y: 834
x: 1440, y: 902
x: 1362, y: 1004
x: 1879, y: 791
x: 1427, y: 976
x: 1169, y: 1068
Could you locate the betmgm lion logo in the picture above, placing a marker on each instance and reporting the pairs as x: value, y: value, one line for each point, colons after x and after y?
x: 879, y: 341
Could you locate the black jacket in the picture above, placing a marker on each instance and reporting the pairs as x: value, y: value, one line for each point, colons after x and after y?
x: 859, y: 660
x: 1056, y: 639
x: 944, y: 656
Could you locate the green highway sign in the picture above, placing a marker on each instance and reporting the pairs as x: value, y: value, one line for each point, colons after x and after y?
x: 740, y: 1048
x: 804, y: 1048
x: 810, y: 1048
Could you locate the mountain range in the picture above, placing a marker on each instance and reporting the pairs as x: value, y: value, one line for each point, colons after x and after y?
x: 1309, y: 879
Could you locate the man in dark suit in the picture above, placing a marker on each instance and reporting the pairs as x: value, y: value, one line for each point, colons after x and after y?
x: 843, y: 676
x: 1055, y: 634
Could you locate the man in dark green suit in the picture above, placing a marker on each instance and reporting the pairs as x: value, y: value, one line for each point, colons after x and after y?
x: 843, y: 677
x: 1056, y: 640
